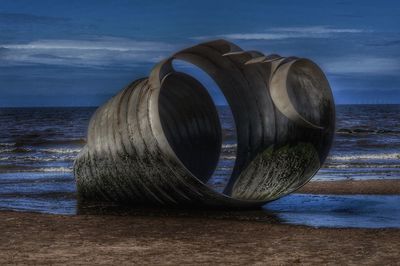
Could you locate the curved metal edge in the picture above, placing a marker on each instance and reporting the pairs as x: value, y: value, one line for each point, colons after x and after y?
x: 280, y: 95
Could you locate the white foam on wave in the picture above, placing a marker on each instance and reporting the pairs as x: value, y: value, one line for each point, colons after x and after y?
x: 38, y: 170
x: 56, y: 169
x: 37, y: 159
x: 6, y: 150
x: 228, y: 146
x: 7, y: 144
x: 358, y: 166
x: 49, y: 169
x: 15, y: 150
x: 376, y: 156
x: 227, y: 157
x: 45, y: 150
x: 61, y: 150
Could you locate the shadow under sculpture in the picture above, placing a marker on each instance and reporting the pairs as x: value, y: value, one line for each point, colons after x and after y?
x: 157, y: 142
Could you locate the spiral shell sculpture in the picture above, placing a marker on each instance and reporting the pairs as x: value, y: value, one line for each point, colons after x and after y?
x: 158, y: 140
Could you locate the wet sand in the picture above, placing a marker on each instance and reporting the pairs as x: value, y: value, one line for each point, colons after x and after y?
x: 149, y: 238
x: 53, y: 239
x: 379, y: 187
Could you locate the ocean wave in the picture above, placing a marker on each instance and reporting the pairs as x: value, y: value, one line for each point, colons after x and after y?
x: 47, y: 150
x: 37, y: 159
x: 227, y: 157
x: 17, y: 178
x: 366, y: 131
x: 229, y: 146
x: 377, y: 156
x: 16, y: 150
x: 43, y: 141
x: 41, y: 195
x: 25, y: 168
x: 358, y: 166
x: 7, y: 144
x: 61, y: 150
x: 332, y: 158
x: 55, y: 169
x: 23, y: 141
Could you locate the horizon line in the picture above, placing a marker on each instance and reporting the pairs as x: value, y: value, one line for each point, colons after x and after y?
x: 96, y: 106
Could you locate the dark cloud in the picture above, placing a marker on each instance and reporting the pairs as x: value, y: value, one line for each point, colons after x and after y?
x: 22, y: 18
x: 349, y: 16
x: 386, y: 43
x: 69, y: 51
x: 49, y: 56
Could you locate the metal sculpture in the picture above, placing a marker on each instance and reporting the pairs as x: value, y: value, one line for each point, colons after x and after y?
x: 158, y: 140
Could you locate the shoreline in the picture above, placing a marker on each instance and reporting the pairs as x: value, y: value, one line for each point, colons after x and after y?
x: 196, y: 237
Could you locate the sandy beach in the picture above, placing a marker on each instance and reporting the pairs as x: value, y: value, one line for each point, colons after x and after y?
x: 369, y: 187
x: 52, y: 239
x: 148, y: 238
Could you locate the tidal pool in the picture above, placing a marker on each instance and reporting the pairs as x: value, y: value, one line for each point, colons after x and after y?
x: 340, y: 211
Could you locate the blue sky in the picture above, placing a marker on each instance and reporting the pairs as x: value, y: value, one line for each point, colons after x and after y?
x: 81, y: 53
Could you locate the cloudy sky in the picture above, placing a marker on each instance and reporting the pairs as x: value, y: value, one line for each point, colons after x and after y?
x: 80, y: 53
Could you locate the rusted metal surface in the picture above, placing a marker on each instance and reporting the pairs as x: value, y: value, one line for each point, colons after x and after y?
x: 158, y: 140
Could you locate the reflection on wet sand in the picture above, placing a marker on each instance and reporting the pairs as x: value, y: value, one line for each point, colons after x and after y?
x: 336, y: 211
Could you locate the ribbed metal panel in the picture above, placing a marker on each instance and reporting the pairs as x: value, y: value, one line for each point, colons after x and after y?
x: 158, y: 140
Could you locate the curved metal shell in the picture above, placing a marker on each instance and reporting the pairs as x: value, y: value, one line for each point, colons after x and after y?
x: 158, y: 140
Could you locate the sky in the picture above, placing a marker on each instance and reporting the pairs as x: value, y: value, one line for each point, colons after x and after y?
x: 80, y: 53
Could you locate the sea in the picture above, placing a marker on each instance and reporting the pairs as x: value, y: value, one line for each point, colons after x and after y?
x: 38, y: 147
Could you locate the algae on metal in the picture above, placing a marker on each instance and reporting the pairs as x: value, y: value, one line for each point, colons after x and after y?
x: 281, y: 171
